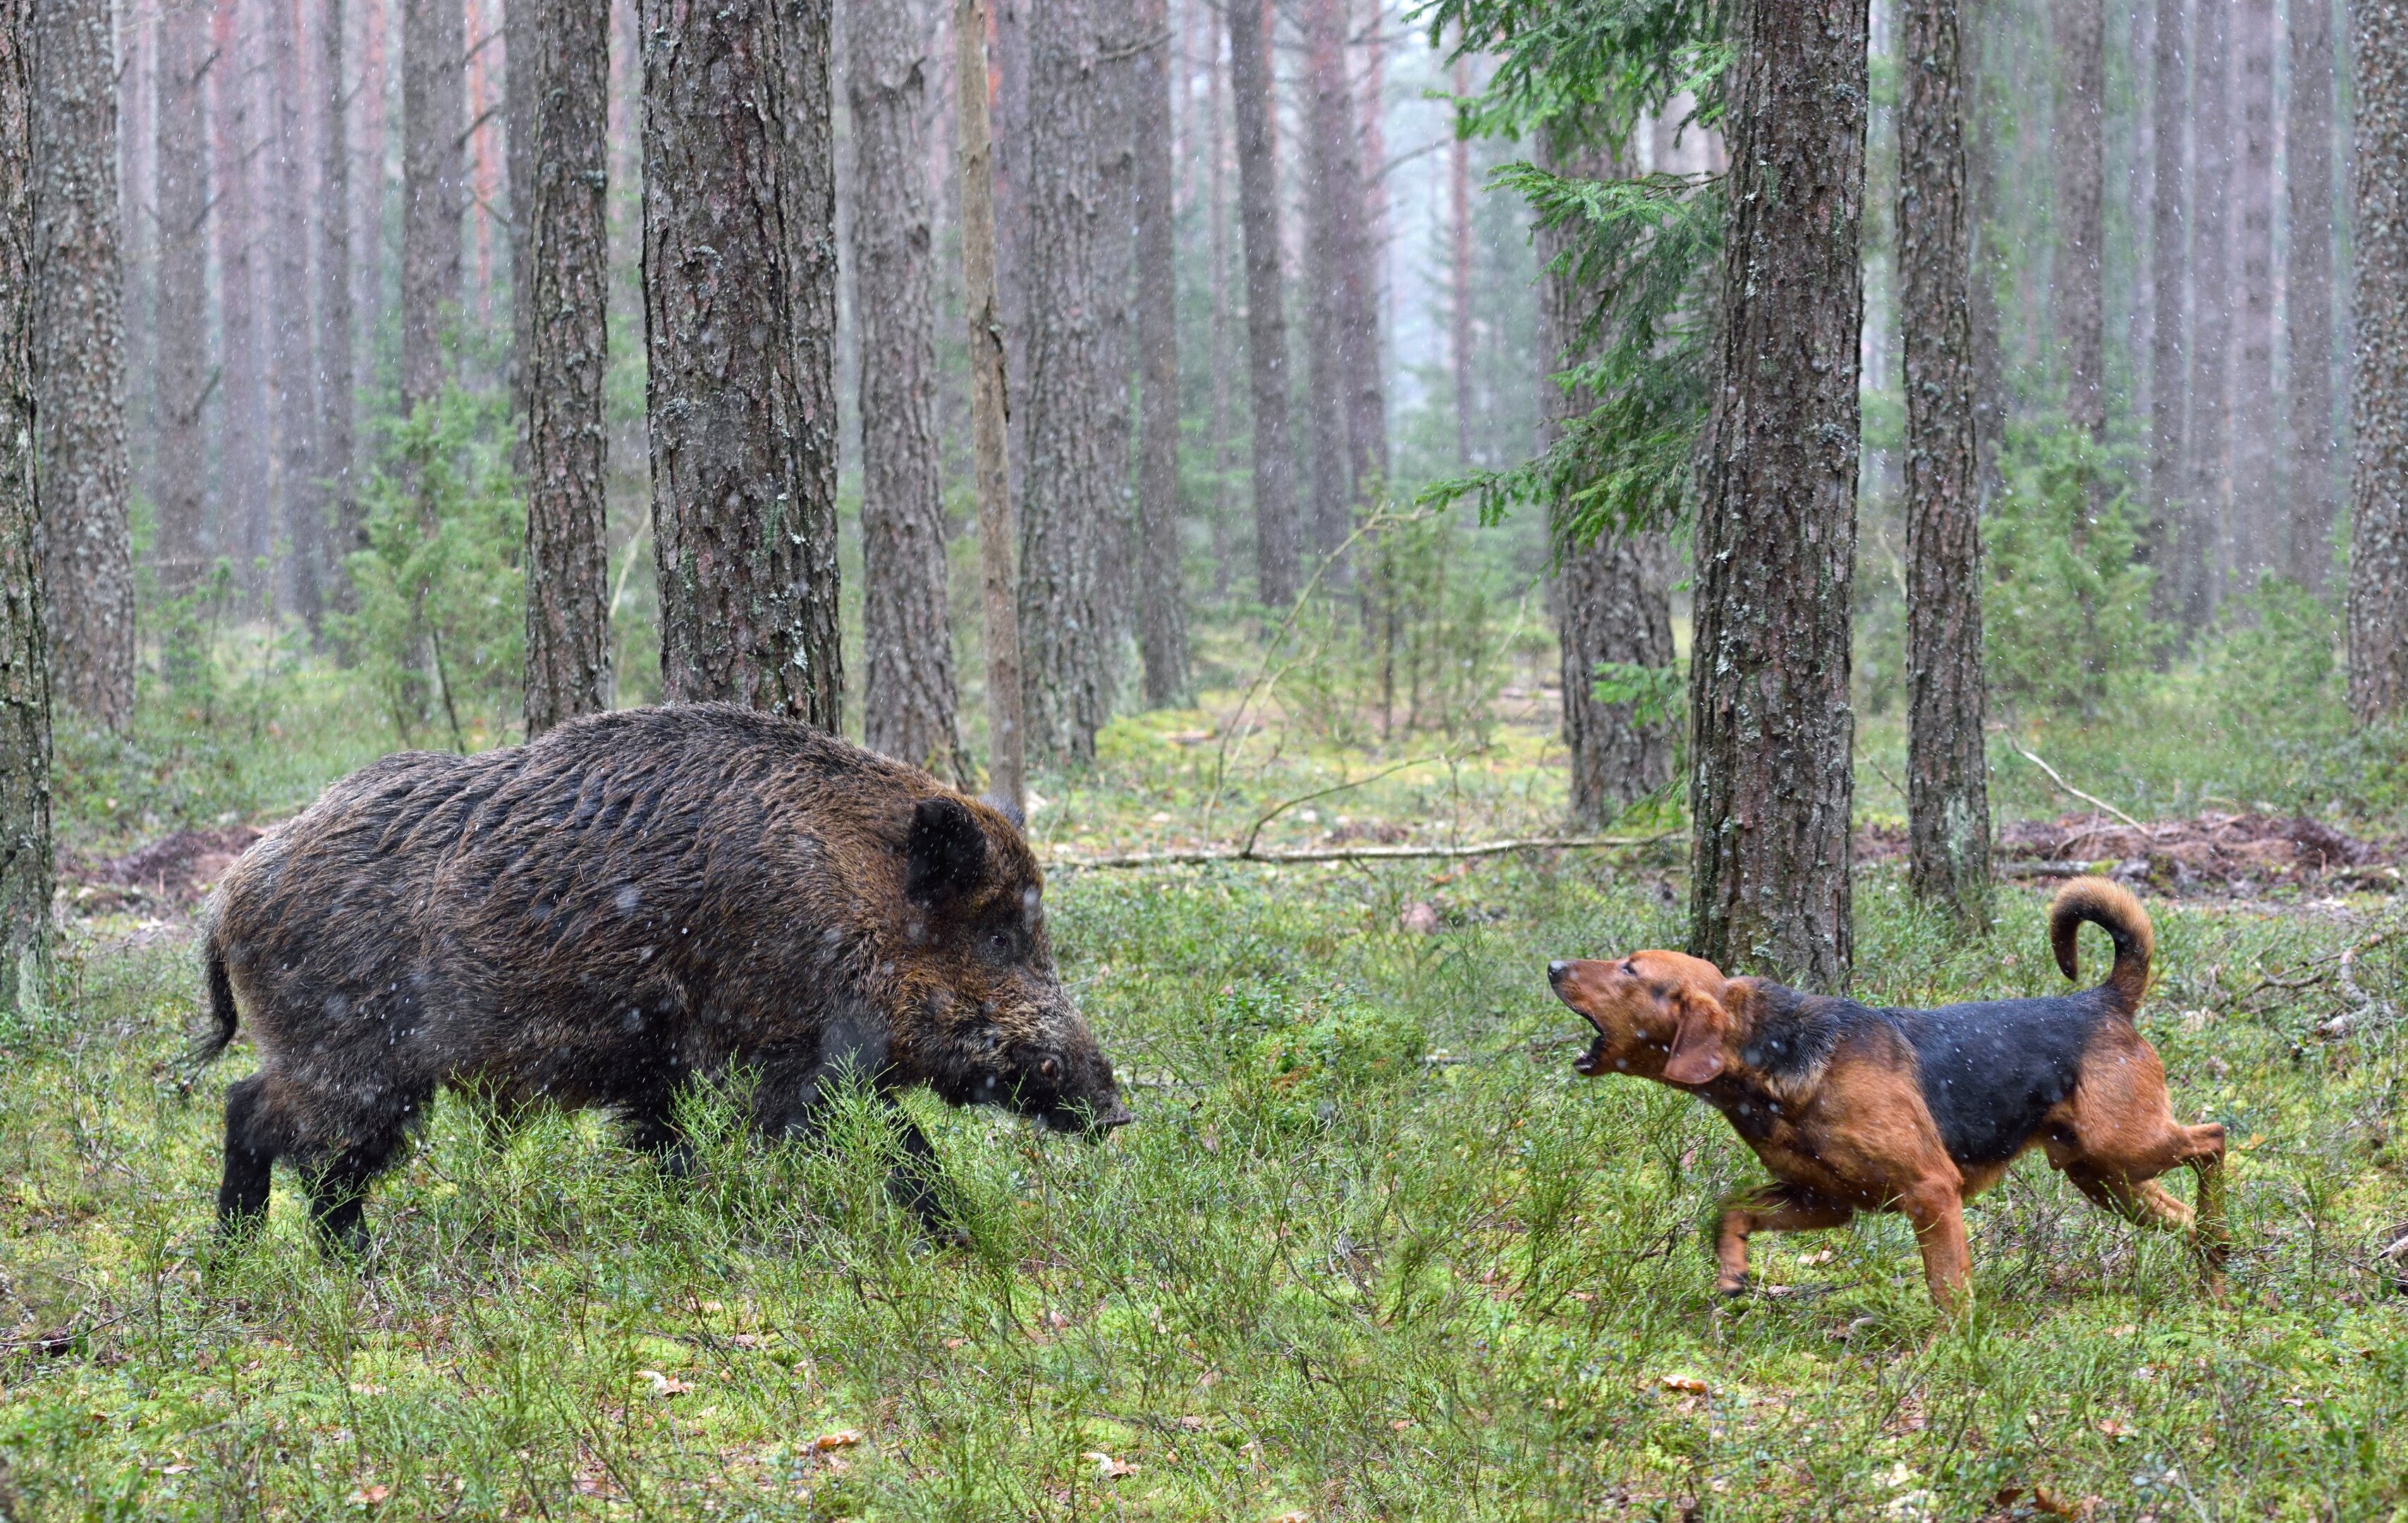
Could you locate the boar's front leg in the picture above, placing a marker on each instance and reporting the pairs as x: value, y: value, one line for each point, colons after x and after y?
x: 917, y: 1182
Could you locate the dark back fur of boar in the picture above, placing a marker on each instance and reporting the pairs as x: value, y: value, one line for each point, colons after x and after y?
x: 598, y: 917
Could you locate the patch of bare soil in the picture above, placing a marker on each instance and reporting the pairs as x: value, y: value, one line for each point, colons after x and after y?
x: 173, y: 873
x: 2208, y: 854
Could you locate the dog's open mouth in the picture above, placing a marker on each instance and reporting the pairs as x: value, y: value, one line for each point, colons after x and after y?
x: 1591, y: 1062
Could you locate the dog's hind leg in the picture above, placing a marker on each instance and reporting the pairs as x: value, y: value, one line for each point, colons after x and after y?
x: 1768, y: 1208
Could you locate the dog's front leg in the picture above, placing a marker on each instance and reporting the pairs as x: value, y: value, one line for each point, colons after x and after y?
x: 1768, y: 1208
x: 1937, y: 1212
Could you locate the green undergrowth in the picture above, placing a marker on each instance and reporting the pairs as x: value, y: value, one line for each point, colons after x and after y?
x: 1371, y: 1250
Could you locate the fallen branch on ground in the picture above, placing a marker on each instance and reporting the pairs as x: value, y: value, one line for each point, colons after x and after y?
x: 2089, y: 798
x: 1357, y: 854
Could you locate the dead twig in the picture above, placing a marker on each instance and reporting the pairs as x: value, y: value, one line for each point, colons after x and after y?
x: 1355, y: 853
x: 2089, y: 798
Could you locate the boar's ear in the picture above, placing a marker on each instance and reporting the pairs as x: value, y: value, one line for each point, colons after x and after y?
x: 1006, y: 808
x: 947, y: 851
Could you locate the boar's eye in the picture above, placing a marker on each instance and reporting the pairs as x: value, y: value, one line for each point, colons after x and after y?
x: 1001, y: 940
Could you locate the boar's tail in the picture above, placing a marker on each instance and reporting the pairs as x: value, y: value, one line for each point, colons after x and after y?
x: 223, y: 1016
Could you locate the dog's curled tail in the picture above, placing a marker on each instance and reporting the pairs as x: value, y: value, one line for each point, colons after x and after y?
x: 2112, y: 909
x: 223, y: 1016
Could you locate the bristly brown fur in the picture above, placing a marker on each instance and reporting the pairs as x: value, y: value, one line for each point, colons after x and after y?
x: 634, y: 901
x: 2113, y: 908
x: 1915, y: 1111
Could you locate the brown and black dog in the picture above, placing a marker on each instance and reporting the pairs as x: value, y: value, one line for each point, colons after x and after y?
x: 1915, y: 1111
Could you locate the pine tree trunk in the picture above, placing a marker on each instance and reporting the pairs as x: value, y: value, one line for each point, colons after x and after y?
x: 2079, y: 148
x: 337, y: 499
x: 739, y: 307
x: 2211, y: 310
x: 185, y: 378
x: 1948, y: 783
x: 292, y: 376
x: 25, y: 863
x: 1458, y: 186
x: 2307, y: 293
x: 434, y: 123
x: 1367, y: 284
x: 566, y: 272
x: 1333, y: 259
x: 1770, y: 780
x: 1276, y: 540
x: 2378, y: 562
x: 2260, y: 534
x: 78, y: 359
x: 138, y: 218
x: 1610, y: 598
x: 1981, y: 192
x: 243, y: 514
x: 2174, y: 549
x: 907, y: 697
x: 1217, y: 216
x: 1071, y: 478
x: 998, y: 529
x: 1114, y: 291
x: 1162, y: 594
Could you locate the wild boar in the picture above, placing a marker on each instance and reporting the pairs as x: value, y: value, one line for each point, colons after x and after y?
x: 629, y: 904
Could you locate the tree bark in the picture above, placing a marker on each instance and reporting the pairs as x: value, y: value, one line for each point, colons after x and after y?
x: 2211, y: 309
x: 908, y: 698
x: 2378, y: 562
x: 1458, y: 186
x: 1258, y: 213
x: 999, y: 531
x: 1217, y: 217
x: 1947, y: 782
x: 1611, y: 597
x: 2080, y: 149
x: 1162, y: 594
x: 739, y: 325
x: 1113, y: 292
x: 1346, y: 445
x: 185, y: 379
x: 292, y: 376
x: 2307, y: 280
x: 2176, y: 546
x: 1073, y: 480
x: 79, y: 360
x: 1770, y: 780
x: 336, y: 500
x: 243, y: 509
x: 2260, y: 534
x: 25, y: 862
x: 434, y: 125
x: 565, y: 273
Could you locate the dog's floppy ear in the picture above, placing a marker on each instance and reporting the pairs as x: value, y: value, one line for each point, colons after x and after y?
x: 1697, y: 1041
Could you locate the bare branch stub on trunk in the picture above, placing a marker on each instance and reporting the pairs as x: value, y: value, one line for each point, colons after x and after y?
x: 739, y: 309
x: 1770, y: 781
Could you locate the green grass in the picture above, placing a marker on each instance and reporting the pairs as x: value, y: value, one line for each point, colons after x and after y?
x: 1372, y: 1251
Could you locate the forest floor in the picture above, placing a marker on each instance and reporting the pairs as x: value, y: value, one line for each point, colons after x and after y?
x: 1372, y: 1249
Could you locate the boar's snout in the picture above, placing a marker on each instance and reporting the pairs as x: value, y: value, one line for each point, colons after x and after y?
x: 1075, y: 1090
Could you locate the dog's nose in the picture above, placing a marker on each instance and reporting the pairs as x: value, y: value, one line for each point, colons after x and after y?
x: 1556, y: 970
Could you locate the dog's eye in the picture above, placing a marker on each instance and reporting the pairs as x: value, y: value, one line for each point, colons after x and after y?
x: 1630, y: 966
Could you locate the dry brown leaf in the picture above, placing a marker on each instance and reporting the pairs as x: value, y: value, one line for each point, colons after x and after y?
x: 843, y: 1438
x: 1685, y: 1382
x: 369, y: 1495
x: 1109, y: 1469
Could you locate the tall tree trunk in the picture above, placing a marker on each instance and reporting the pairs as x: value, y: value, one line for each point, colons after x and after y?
x: 433, y: 124
x: 25, y: 862
x: 138, y: 217
x: 2174, y: 545
x: 739, y: 307
x: 78, y: 359
x: 1162, y: 594
x: 2080, y: 152
x: 907, y: 700
x: 374, y: 181
x: 2378, y: 561
x: 519, y: 129
x: 1981, y: 188
x: 1611, y: 596
x: 1367, y: 394
x: 1770, y: 781
x: 1113, y: 292
x: 1948, y: 783
x: 1334, y: 265
x: 566, y: 272
x: 2260, y: 535
x: 243, y: 513
x: 2307, y: 286
x: 1458, y: 185
x: 293, y: 382
x: 185, y: 379
x: 336, y: 501
x: 999, y: 532
x: 1258, y: 214
x: 1217, y: 217
x: 1073, y: 480
x: 2211, y: 313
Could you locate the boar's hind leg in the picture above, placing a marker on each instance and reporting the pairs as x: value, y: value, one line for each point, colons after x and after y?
x: 653, y: 1128
x: 251, y: 1149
